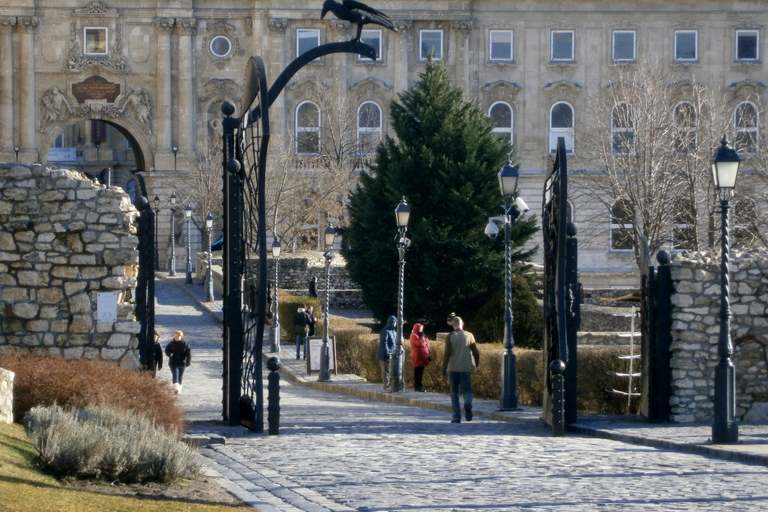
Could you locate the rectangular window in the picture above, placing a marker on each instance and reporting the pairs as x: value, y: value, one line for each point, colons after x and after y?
x: 686, y: 45
x: 562, y: 46
x: 431, y: 42
x: 624, y: 46
x: 501, y: 45
x: 306, y: 39
x: 95, y: 41
x: 747, y: 45
x: 373, y: 39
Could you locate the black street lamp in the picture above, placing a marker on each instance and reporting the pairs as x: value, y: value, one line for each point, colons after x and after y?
x: 274, y: 339
x: 725, y: 167
x: 396, y: 377
x: 209, y: 271
x: 188, y: 215
x: 157, y: 235
x: 172, y: 270
x: 511, y: 210
x: 16, y: 150
x: 175, y: 150
x: 325, y: 355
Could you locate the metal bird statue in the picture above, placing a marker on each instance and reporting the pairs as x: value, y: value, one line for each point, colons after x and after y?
x: 357, y: 12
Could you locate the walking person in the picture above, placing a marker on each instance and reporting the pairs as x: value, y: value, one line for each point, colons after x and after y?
x: 387, y: 338
x: 311, y: 320
x: 461, y: 355
x: 313, y: 287
x: 158, y: 362
x: 421, y: 355
x: 179, y: 358
x: 300, y: 329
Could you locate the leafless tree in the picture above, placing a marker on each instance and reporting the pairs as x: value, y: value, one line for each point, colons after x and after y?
x: 201, y: 189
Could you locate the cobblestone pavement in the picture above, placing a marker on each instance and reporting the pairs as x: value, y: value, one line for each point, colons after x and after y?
x: 340, y: 452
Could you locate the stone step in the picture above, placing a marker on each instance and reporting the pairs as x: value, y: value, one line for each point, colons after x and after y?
x: 607, y: 339
x: 596, y: 318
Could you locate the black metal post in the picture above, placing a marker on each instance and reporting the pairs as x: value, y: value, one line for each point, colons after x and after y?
x: 209, y: 271
x: 508, y: 400
x: 325, y: 356
x: 157, y: 231
x: 396, y: 377
x: 724, y: 430
x: 172, y: 270
x: 189, y: 247
x: 273, y: 395
x: 274, y: 339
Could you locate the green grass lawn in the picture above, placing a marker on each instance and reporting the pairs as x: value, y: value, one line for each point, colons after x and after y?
x: 24, y: 488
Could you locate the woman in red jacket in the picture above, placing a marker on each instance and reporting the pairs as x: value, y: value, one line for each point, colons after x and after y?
x: 420, y: 355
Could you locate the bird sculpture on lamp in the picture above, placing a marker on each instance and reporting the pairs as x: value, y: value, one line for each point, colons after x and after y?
x: 358, y: 13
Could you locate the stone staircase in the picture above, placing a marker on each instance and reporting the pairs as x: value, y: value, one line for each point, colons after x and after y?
x: 606, y: 321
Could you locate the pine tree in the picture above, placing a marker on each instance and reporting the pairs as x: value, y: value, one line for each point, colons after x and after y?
x: 444, y: 162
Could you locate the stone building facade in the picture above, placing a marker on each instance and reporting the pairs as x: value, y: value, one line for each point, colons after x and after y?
x: 137, y: 85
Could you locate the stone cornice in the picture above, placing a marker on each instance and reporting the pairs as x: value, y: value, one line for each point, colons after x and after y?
x: 187, y: 26
x: 165, y: 24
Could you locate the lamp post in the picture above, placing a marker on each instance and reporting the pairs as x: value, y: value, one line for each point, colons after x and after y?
x: 396, y: 378
x: 16, y: 150
x: 511, y: 210
x: 172, y: 270
x: 175, y: 150
x: 157, y: 236
x: 274, y: 339
x: 209, y: 271
x: 725, y: 167
x: 325, y: 355
x: 188, y: 215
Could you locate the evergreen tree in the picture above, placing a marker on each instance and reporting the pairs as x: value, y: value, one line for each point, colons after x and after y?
x: 444, y: 162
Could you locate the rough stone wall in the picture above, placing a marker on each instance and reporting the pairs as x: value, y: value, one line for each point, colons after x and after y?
x: 6, y: 395
x: 695, y: 330
x: 64, y: 239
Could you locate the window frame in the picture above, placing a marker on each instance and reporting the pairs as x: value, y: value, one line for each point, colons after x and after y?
x: 620, y: 226
x: 695, y: 33
x: 300, y: 31
x: 422, y: 54
x: 507, y: 131
x: 616, y: 59
x: 741, y: 32
x: 216, y: 38
x: 379, y: 57
x: 739, y: 132
x: 364, y: 131
x: 105, y: 31
x: 511, y: 34
x: 552, y: 35
x: 623, y: 131
x: 567, y: 132
x: 301, y: 130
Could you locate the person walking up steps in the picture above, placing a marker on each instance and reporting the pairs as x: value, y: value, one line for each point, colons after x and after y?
x: 179, y: 358
x: 460, y: 349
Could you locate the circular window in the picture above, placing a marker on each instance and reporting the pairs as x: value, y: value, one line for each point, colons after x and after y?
x: 221, y: 46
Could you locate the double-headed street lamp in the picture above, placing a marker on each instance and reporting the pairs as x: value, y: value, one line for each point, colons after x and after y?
x: 511, y: 210
x: 209, y: 271
x: 172, y: 270
x: 725, y: 167
x: 396, y: 377
x: 274, y: 339
x: 325, y: 355
x: 188, y: 215
x: 157, y: 235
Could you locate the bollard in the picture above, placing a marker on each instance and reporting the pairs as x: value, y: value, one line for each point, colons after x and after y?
x: 273, y: 395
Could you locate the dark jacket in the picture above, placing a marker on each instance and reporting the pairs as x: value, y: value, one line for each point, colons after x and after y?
x: 387, y: 339
x: 300, y: 325
x: 311, y: 321
x: 179, y: 353
x: 158, y: 357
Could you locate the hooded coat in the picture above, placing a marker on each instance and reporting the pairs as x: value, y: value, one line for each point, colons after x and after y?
x: 387, y: 339
x: 420, y: 352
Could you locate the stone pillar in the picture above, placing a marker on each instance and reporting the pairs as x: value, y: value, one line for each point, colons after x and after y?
x: 401, y: 55
x: 462, y: 54
x: 163, y: 128
x: 185, y: 87
x: 28, y: 121
x: 6, y: 89
x: 277, y: 114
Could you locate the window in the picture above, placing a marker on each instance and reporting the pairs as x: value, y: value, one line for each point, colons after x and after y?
x: 746, y: 125
x: 220, y: 46
x: 306, y: 39
x: 623, y: 129
x: 307, y: 129
x: 368, y: 127
x: 685, y: 123
x: 501, y: 46
x: 683, y: 231
x: 431, y: 42
x: 622, y: 221
x: 562, y: 46
x: 747, y: 45
x: 501, y: 115
x: 373, y: 39
x: 623, y: 46
x: 95, y: 41
x: 58, y: 142
x: 686, y: 45
x: 561, y: 125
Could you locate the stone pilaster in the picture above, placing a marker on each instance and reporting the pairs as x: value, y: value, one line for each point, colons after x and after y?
x: 6, y: 89
x: 163, y: 128
x: 27, y: 104
x: 400, y: 63
x: 186, y: 111
x: 463, y: 29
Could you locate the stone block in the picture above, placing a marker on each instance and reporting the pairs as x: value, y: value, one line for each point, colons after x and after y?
x: 26, y: 310
x: 119, y: 340
x: 81, y: 324
x: 14, y: 294
x: 80, y: 303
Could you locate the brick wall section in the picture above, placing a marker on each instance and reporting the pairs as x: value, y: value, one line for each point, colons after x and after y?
x: 64, y: 239
x: 6, y: 396
x: 695, y: 330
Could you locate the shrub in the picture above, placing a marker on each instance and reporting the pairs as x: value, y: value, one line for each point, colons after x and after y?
x: 288, y: 306
x: 102, y: 442
x: 46, y: 380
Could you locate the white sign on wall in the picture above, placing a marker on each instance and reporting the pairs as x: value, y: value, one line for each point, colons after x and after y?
x: 106, y: 307
x: 62, y: 155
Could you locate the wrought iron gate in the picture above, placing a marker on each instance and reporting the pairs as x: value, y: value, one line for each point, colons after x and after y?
x: 145, y: 281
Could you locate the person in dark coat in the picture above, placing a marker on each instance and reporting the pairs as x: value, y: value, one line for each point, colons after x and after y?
x: 420, y: 355
x: 158, y: 363
x: 311, y: 320
x: 313, y: 287
x: 387, y: 339
x: 179, y: 358
x: 300, y: 329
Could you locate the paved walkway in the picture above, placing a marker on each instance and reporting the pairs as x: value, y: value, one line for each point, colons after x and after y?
x: 345, y: 445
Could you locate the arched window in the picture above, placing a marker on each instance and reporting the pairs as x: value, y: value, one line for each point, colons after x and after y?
x: 502, y: 117
x: 684, y: 230
x: 623, y: 129
x: 685, y: 123
x: 368, y: 127
x: 307, y: 129
x: 746, y: 127
x: 622, y: 221
x: 561, y: 125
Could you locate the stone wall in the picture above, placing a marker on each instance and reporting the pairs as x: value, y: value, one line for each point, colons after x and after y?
x: 6, y: 395
x: 63, y: 240
x: 695, y: 329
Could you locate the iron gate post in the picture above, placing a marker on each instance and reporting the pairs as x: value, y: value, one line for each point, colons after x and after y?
x: 573, y: 321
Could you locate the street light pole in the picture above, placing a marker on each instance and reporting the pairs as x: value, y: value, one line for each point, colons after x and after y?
x: 209, y: 272
x: 396, y: 377
x: 725, y: 167
x: 188, y: 215
x: 325, y: 355
x: 157, y: 235
x: 274, y: 339
x: 172, y: 270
